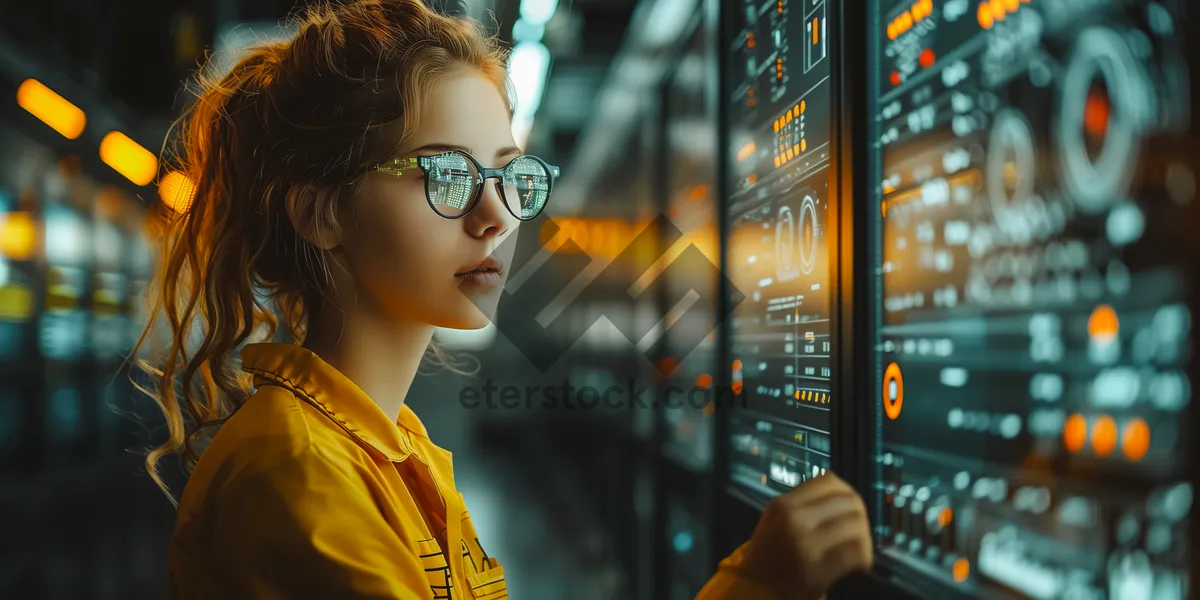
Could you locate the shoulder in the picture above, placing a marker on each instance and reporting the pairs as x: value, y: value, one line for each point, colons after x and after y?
x: 276, y: 443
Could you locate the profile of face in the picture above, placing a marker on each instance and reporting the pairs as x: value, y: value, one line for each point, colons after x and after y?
x: 412, y: 263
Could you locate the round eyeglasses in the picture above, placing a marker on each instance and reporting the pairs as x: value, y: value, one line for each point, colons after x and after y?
x: 454, y: 182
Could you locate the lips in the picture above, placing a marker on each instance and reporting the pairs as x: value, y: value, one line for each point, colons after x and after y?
x: 489, y: 265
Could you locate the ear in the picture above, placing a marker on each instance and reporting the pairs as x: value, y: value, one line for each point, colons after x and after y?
x: 311, y: 217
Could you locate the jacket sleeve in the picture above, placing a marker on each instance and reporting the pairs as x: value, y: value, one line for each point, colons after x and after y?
x: 309, y: 528
x: 729, y: 584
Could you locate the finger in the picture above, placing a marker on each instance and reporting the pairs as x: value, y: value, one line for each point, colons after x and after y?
x: 835, y: 507
x: 814, y: 490
x: 839, y: 531
x: 852, y: 556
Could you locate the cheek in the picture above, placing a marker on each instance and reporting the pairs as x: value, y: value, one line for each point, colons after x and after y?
x: 398, y: 240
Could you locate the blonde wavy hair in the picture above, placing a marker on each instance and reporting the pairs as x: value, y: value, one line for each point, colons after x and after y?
x: 304, y: 117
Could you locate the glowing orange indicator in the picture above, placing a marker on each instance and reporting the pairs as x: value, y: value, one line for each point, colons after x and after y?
x: 1096, y: 113
x: 1104, y: 436
x: 815, y: 37
x: 802, y: 106
x: 893, y: 391
x: 668, y: 365
x: 945, y: 517
x: 797, y: 394
x: 985, y: 15
x: 776, y: 126
x: 777, y: 162
x: 752, y: 179
x: 736, y: 384
x: 1012, y: 5
x: 746, y: 152
x: 704, y: 381
x: 927, y: 58
x: 895, y: 78
x: 803, y: 145
x: 1135, y: 441
x: 1103, y: 325
x: 749, y: 40
x: 1075, y: 432
x: 962, y: 568
x: 781, y: 7
x: 998, y: 10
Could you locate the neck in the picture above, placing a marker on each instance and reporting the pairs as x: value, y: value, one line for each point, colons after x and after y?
x: 380, y: 355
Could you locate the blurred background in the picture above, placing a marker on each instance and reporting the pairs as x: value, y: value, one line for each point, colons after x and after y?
x: 989, y: 204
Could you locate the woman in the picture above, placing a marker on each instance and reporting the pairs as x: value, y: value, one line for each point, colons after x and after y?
x: 363, y: 179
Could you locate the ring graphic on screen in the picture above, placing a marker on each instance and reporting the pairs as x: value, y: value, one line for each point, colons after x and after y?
x: 785, y: 244
x: 1106, y: 99
x: 1010, y: 173
x: 893, y: 391
x: 808, y: 235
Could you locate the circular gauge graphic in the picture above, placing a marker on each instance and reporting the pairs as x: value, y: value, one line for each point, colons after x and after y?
x: 1106, y: 98
x: 785, y: 242
x: 1010, y: 171
x: 808, y: 235
x: 893, y: 391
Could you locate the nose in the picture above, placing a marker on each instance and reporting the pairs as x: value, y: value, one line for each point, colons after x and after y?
x: 490, y: 218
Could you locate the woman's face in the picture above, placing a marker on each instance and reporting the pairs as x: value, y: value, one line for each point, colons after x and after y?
x: 408, y: 261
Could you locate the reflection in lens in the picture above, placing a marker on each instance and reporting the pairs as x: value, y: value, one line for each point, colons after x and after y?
x: 526, y: 187
x: 451, y: 183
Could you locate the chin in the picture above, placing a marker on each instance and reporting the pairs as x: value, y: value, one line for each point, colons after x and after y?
x: 467, y: 313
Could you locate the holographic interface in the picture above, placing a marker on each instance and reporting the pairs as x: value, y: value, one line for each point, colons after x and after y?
x: 1033, y: 335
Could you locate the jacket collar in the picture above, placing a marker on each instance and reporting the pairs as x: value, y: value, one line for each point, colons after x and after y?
x: 336, y: 396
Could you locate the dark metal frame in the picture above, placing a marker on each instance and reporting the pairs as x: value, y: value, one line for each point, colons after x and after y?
x: 397, y: 167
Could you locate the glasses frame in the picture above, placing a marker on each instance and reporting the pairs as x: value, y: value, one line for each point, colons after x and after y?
x: 398, y: 166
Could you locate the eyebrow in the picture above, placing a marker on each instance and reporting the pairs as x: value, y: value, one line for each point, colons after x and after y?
x: 501, y: 153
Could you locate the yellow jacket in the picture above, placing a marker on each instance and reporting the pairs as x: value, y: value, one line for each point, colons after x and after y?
x: 310, y: 491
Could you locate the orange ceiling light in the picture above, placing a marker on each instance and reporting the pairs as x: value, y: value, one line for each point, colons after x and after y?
x: 52, y: 109
x: 128, y: 158
x: 177, y: 191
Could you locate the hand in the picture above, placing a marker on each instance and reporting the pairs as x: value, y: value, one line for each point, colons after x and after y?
x: 809, y: 538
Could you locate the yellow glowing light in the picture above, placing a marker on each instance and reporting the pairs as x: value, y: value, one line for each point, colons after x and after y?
x: 177, y: 191
x: 18, y: 235
x: 128, y: 158
x: 52, y: 109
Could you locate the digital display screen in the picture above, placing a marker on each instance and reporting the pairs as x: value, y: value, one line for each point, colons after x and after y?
x: 779, y: 242
x: 1033, y: 334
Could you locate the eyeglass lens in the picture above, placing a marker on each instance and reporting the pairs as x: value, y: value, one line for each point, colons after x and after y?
x: 526, y: 187
x: 451, y: 184
x: 453, y: 181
